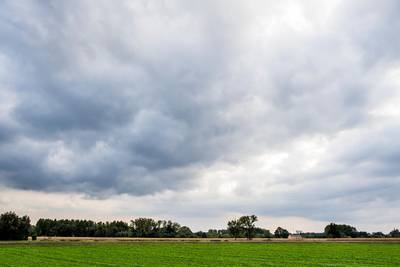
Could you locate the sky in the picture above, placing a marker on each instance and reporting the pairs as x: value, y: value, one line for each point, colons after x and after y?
x: 202, y: 111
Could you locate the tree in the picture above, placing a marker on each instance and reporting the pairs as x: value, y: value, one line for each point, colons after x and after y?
x: 331, y: 230
x: 362, y: 234
x: 184, y: 231
x: 248, y: 225
x: 144, y: 227
x: 24, y: 227
x: 394, y: 233
x: 212, y: 233
x: 378, y: 235
x: 340, y: 230
x: 169, y: 229
x: 200, y: 234
x: 281, y: 233
x: 347, y: 230
x: 234, y: 228
x: 13, y: 227
x: 263, y: 233
x: 313, y: 235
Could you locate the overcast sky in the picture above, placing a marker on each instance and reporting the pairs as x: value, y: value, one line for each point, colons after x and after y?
x: 200, y: 111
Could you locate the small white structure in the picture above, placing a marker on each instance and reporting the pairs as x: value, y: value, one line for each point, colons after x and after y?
x: 296, y: 236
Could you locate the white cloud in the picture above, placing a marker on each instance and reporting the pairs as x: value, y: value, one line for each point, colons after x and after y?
x: 202, y: 111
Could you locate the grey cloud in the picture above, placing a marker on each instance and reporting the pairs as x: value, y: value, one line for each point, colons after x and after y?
x: 381, y: 22
x: 143, y: 118
x: 139, y: 98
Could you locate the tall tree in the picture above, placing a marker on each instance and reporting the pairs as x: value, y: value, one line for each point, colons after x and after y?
x: 234, y: 228
x: 169, y: 229
x: 248, y: 225
x: 144, y: 227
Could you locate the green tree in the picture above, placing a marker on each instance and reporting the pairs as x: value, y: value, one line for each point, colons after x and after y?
x: 395, y: 233
x: 13, y: 227
x: 263, y: 233
x: 144, y: 227
x: 169, y: 229
x: 248, y: 225
x: 212, y: 233
x: 184, y: 231
x: 281, y: 233
x: 340, y: 230
x: 332, y: 231
x: 378, y: 235
x: 235, y: 228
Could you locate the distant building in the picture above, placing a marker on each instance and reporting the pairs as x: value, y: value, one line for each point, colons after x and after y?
x: 296, y: 236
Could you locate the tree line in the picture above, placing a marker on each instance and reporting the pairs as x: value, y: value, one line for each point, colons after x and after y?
x: 14, y: 227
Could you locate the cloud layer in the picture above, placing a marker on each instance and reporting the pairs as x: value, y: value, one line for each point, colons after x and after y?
x: 285, y: 109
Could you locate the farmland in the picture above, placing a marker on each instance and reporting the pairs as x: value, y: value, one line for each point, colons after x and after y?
x: 81, y: 253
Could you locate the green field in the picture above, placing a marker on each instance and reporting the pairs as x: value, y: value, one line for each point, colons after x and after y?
x: 199, y: 254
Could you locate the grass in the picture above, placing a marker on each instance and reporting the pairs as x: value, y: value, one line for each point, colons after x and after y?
x: 199, y: 254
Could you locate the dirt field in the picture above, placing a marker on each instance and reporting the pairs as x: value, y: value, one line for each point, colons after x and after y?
x: 254, y: 240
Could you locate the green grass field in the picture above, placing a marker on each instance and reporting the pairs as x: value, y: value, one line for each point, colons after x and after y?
x: 199, y: 254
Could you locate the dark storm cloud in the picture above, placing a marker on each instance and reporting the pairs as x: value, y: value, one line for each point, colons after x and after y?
x: 81, y: 87
x: 141, y: 97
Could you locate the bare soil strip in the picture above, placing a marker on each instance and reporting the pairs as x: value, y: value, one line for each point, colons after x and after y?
x: 239, y: 240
